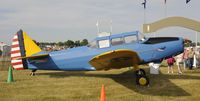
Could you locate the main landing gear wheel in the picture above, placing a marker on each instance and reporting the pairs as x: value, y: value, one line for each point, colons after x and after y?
x: 141, y: 78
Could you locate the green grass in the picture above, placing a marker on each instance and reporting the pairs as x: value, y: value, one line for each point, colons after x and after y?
x: 4, y: 65
x: 86, y: 86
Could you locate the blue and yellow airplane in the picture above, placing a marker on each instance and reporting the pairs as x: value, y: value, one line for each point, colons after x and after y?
x: 107, y: 52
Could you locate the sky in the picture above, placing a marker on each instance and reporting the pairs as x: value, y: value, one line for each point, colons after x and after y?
x: 61, y: 20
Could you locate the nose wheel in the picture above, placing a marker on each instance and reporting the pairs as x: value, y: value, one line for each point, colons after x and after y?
x: 141, y: 78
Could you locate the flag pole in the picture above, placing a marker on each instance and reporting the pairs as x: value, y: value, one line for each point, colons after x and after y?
x: 144, y: 16
x: 165, y: 9
x: 97, y: 24
x: 111, y: 27
x: 196, y: 38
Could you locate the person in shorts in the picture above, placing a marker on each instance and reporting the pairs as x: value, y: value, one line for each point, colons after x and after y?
x: 170, y: 62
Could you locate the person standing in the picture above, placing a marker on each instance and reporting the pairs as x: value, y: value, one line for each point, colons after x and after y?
x: 0, y: 53
x: 197, y: 58
x: 185, y: 58
x: 191, y: 57
x: 170, y: 62
x: 179, y: 62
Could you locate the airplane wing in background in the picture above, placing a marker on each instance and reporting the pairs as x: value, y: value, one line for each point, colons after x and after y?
x: 115, y: 59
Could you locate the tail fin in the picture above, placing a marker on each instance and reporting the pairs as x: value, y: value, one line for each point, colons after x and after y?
x: 22, y: 46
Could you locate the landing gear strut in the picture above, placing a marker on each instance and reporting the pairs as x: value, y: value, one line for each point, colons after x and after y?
x: 140, y: 72
x: 141, y: 78
x: 33, y: 72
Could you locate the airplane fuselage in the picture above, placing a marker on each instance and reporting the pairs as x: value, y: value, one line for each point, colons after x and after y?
x: 77, y: 59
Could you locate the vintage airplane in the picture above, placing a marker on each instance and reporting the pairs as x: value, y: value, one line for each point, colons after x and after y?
x: 106, y: 52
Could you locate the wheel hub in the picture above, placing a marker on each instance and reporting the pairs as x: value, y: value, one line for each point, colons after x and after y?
x: 142, y: 81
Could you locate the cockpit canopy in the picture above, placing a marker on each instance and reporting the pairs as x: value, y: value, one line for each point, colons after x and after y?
x: 116, y: 39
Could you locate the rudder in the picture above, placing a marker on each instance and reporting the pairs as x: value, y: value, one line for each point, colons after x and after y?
x: 22, y: 46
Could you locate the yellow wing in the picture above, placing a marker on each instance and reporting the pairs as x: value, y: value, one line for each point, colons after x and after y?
x: 115, y: 59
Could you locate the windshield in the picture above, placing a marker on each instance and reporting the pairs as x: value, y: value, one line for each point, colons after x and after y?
x: 141, y: 37
x: 92, y: 44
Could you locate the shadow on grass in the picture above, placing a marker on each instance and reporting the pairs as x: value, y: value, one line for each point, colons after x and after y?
x: 194, y: 71
x: 160, y: 85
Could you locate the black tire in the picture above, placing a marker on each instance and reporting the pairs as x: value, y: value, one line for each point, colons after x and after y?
x: 142, y: 80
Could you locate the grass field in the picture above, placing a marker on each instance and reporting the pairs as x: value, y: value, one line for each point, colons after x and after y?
x: 86, y: 86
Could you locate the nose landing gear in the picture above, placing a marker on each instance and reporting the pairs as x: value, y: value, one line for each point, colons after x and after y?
x: 141, y: 78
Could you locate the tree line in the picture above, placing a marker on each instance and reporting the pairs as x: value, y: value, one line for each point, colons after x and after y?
x: 84, y: 42
x: 68, y: 43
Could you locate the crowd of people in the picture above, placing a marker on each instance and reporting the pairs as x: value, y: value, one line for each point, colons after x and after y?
x: 188, y: 59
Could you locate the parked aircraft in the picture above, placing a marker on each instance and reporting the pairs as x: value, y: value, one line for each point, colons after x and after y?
x: 105, y: 52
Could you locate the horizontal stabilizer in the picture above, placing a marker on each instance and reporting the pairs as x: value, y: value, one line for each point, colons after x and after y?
x: 32, y: 57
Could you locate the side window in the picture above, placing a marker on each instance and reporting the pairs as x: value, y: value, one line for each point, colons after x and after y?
x: 104, y: 43
x: 116, y: 41
x: 130, y: 39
